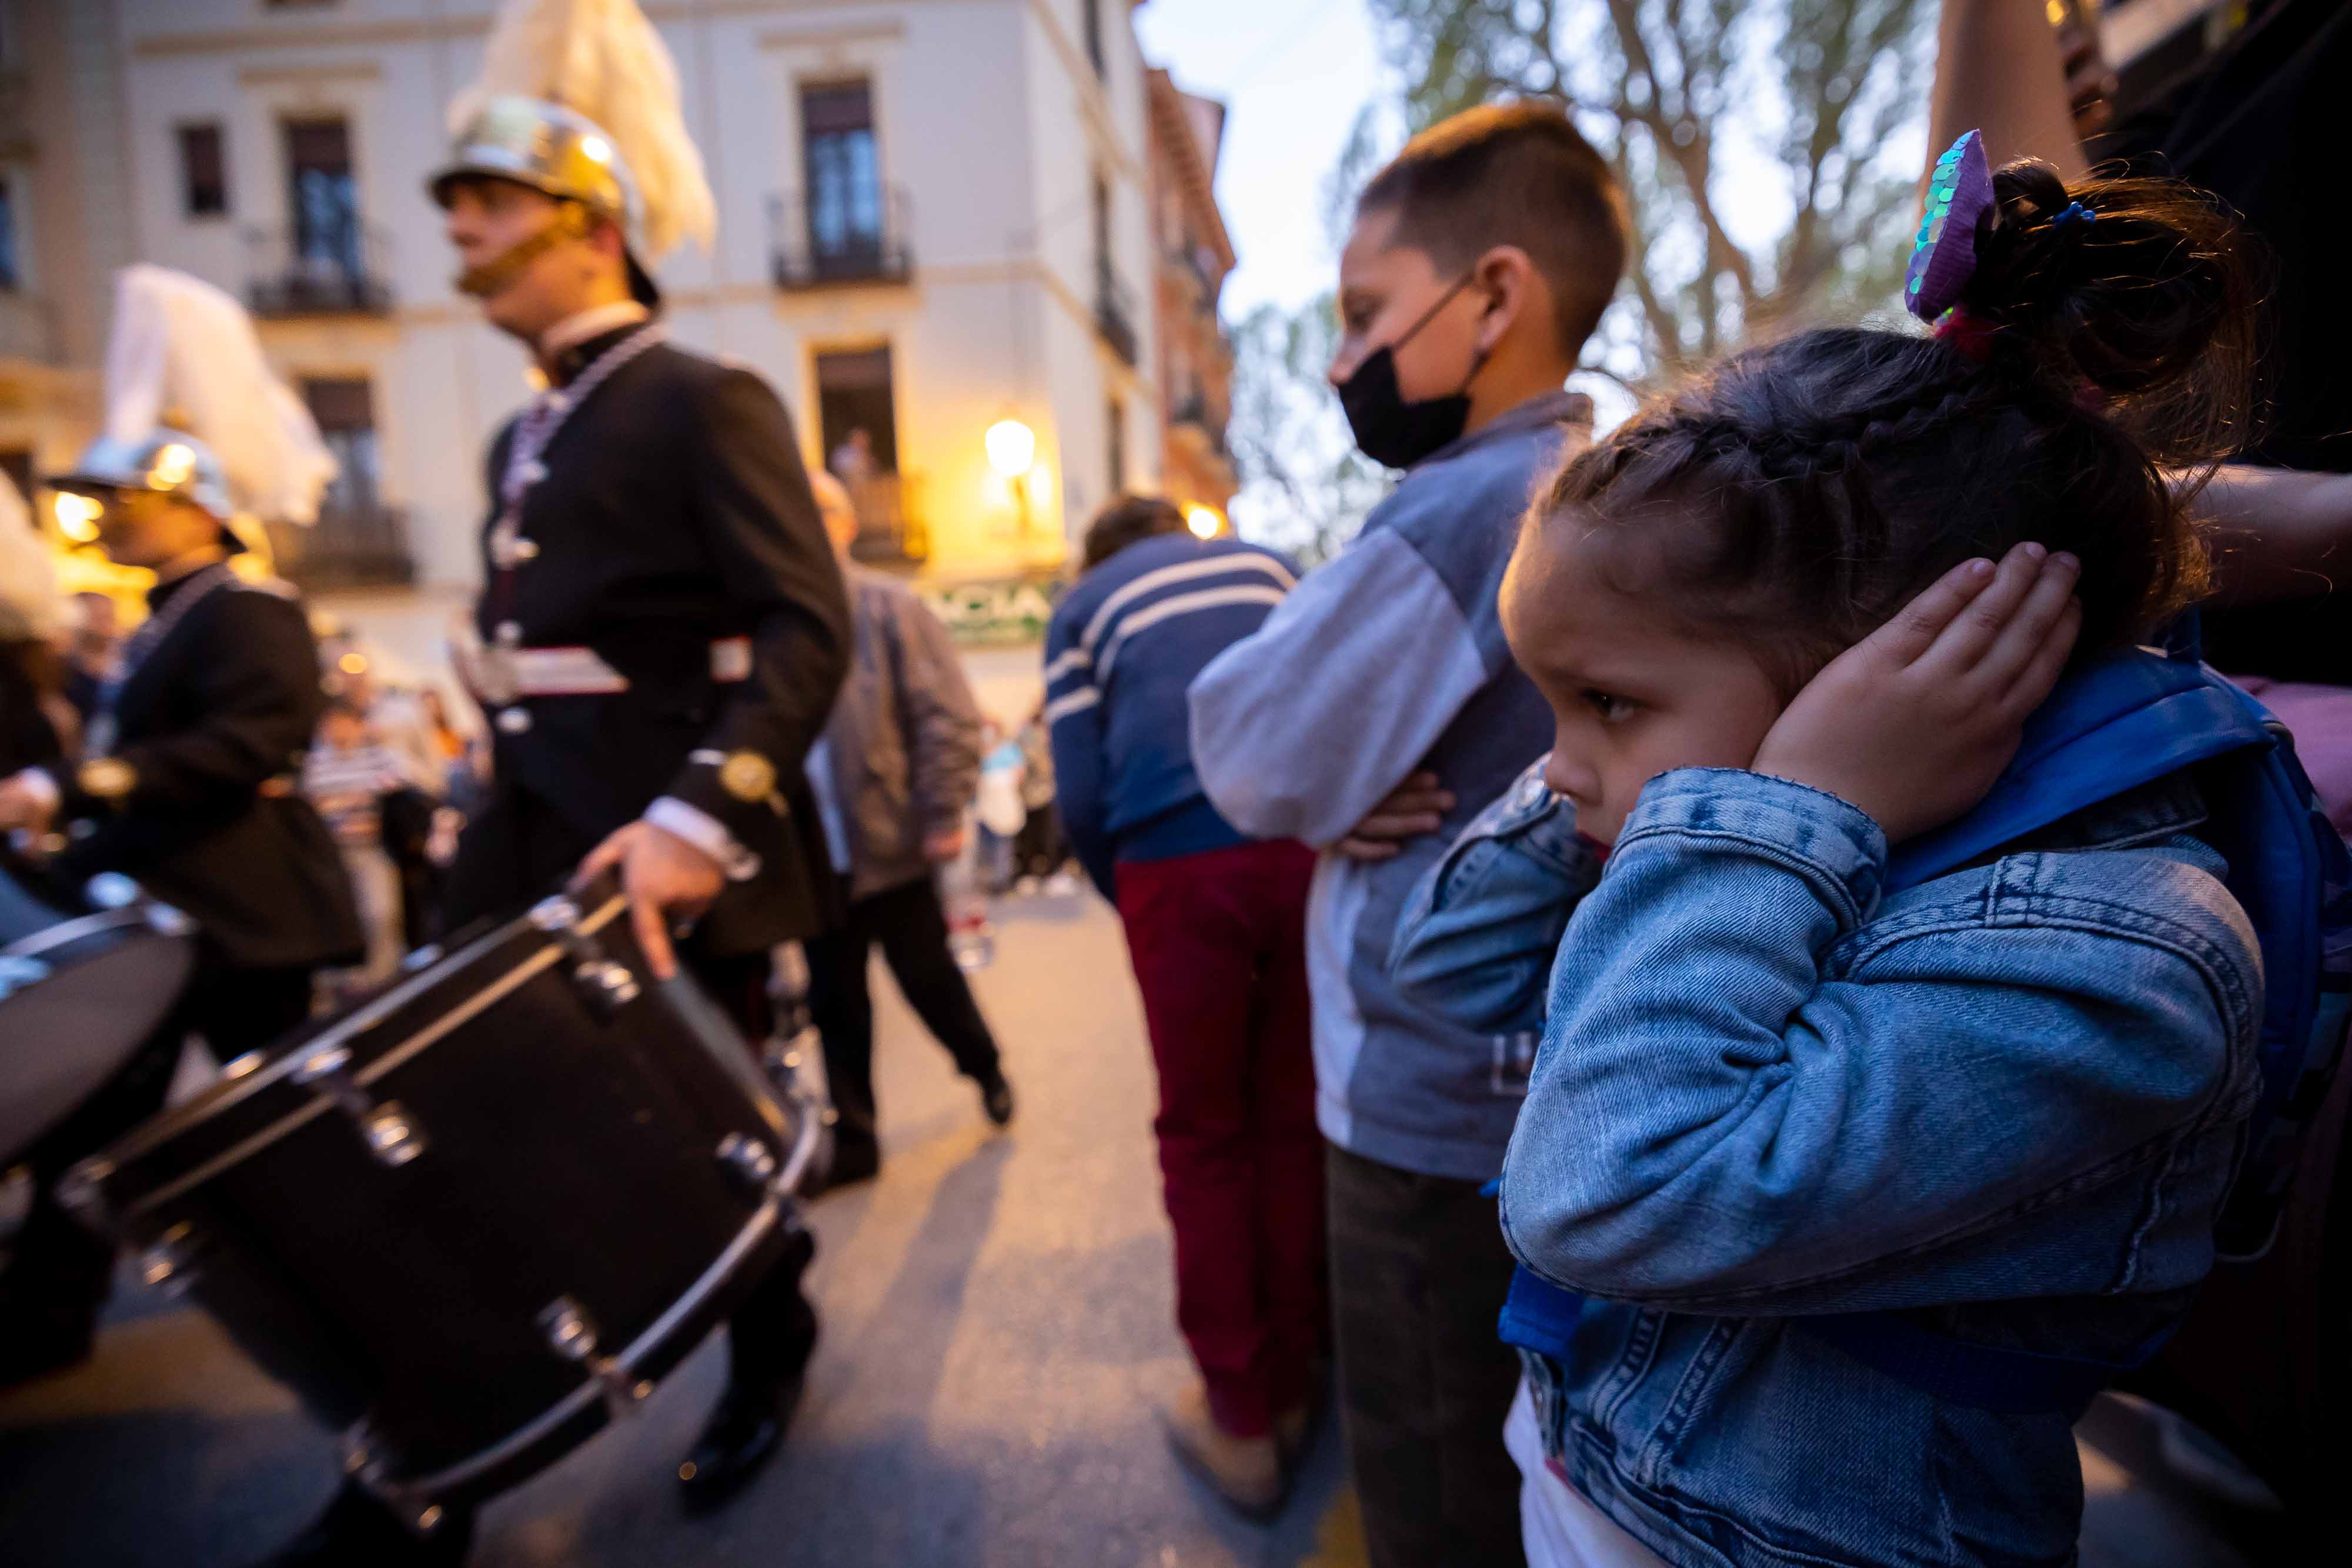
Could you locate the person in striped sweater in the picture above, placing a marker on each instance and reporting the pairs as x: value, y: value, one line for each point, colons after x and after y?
x: 1216, y: 930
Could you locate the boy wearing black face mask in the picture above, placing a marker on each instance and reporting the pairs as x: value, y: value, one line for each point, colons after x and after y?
x: 1373, y: 715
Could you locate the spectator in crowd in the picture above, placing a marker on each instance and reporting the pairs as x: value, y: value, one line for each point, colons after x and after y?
x: 1380, y: 704
x: 1216, y: 930
x: 852, y: 462
x: 95, y: 641
x: 350, y: 776
x: 892, y: 773
x: 997, y: 805
x: 1037, y: 850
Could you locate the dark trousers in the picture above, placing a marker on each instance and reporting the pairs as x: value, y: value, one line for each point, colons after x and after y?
x: 773, y: 1331
x: 1037, y: 848
x: 1218, y: 942
x: 511, y: 856
x: 1418, y: 1275
x: 912, y: 929
x: 59, y: 1272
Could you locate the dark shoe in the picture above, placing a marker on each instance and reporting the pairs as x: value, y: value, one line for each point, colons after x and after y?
x: 849, y: 1168
x: 745, y: 1430
x: 997, y: 1097
x: 359, y: 1532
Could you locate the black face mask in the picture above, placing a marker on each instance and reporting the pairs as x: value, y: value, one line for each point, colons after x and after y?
x: 1391, y: 430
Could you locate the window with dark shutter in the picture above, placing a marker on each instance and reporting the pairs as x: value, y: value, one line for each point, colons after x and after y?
x: 204, y: 171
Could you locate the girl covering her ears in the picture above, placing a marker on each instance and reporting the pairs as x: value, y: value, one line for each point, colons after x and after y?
x: 1785, y: 619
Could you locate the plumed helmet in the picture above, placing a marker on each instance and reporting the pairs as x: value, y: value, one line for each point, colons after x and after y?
x: 170, y: 462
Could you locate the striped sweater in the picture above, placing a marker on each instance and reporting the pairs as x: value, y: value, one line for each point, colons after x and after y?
x: 1124, y: 645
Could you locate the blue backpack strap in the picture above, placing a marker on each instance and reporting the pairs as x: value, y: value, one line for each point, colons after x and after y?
x: 1537, y: 1315
x: 2123, y: 722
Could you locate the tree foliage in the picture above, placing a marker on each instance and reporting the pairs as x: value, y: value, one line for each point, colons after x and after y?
x: 1695, y: 103
x: 1768, y: 150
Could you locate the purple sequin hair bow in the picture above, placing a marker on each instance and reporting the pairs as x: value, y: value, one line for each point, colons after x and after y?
x: 1959, y: 195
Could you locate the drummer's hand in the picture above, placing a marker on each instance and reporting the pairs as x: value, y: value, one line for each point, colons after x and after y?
x: 23, y: 805
x: 665, y: 879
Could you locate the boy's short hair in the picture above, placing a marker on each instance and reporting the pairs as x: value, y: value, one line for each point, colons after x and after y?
x: 1512, y: 174
x: 1128, y: 521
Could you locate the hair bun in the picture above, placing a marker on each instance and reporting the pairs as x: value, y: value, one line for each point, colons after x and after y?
x: 2143, y: 299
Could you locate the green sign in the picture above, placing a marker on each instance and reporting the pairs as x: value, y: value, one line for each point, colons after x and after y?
x: 994, y: 614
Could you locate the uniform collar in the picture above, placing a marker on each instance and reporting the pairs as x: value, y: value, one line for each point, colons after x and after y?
x: 572, y: 344
x: 165, y: 590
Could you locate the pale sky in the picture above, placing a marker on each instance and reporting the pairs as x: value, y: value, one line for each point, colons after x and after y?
x: 1292, y: 74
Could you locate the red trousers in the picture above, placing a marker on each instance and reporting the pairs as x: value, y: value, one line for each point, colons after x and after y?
x: 1218, y: 940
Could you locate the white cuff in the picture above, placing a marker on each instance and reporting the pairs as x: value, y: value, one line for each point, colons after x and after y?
x: 705, y: 832
x: 42, y: 787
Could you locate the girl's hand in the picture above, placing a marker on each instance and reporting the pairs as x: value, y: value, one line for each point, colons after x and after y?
x: 1914, y: 722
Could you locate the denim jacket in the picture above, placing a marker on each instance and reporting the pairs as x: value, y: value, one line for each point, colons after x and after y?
x: 2005, y: 1102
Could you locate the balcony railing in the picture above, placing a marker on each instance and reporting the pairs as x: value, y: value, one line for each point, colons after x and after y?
x: 1115, y: 314
x: 343, y: 271
x: 356, y: 547
x: 857, y: 237
x: 889, y: 530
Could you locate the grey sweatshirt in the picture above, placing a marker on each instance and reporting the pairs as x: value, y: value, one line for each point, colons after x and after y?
x: 1388, y: 661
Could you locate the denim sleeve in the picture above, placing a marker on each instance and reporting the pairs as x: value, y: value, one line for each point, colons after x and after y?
x: 1479, y: 933
x: 1740, y: 1106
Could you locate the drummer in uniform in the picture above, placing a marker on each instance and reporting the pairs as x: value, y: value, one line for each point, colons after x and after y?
x: 661, y: 638
x: 186, y: 784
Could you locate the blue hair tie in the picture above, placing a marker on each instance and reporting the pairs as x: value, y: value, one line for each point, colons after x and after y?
x: 2074, y: 210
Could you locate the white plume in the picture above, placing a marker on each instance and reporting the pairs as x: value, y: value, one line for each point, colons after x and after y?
x: 602, y: 59
x: 183, y: 348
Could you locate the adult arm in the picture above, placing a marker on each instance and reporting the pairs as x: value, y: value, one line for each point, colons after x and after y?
x: 254, y: 673
x: 2276, y: 533
x: 2000, y: 70
x: 767, y: 543
x: 1074, y: 721
x: 942, y: 719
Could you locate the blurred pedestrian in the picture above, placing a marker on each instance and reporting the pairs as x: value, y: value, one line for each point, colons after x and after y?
x: 997, y: 805
x: 1216, y: 930
x: 1038, y: 849
x: 356, y: 782
x: 897, y: 761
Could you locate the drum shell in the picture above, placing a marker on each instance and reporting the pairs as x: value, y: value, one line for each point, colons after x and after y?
x: 566, y: 1156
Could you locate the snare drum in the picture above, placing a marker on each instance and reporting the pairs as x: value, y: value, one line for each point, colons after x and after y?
x: 82, y: 988
x: 482, y: 1211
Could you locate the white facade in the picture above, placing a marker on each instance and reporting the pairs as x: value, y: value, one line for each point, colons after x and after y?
x: 989, y: 114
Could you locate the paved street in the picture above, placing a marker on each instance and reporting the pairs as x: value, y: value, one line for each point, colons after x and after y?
x: 998, y: 1322
x: 997, y: 1318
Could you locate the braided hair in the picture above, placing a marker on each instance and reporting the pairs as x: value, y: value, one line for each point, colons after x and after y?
x: 1806, y: 489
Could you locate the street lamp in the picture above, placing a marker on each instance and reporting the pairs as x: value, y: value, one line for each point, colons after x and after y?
x: 1013, y: 453
x: 1011, y: 448
x: 1204, y: 521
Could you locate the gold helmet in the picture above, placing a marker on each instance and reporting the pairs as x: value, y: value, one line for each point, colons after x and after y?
x: 559, y: 153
